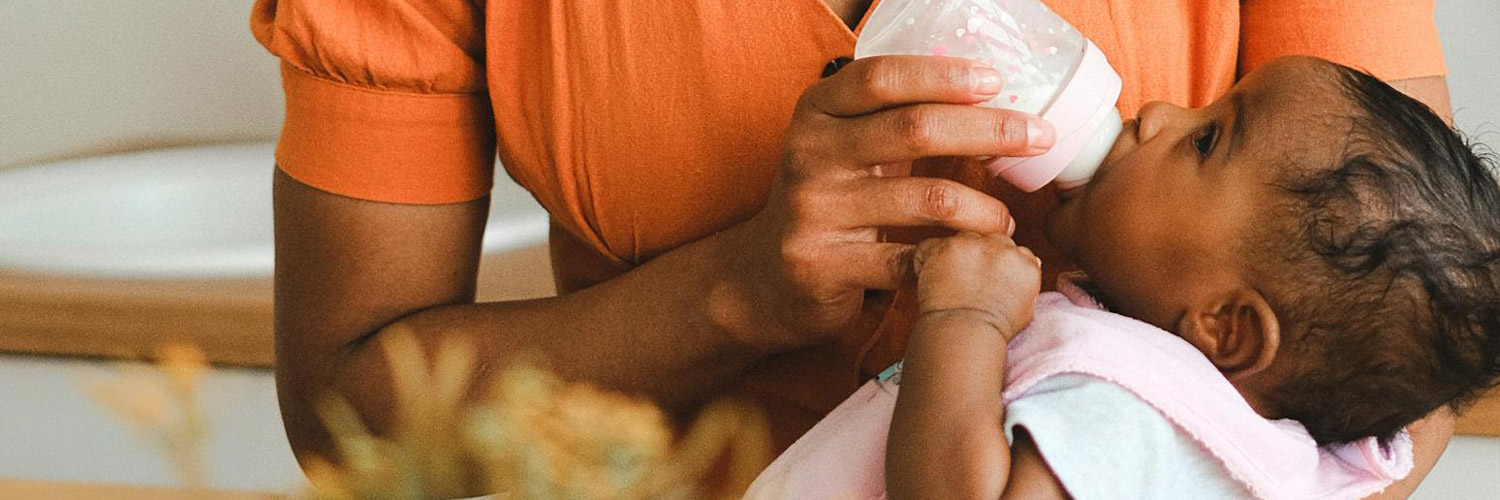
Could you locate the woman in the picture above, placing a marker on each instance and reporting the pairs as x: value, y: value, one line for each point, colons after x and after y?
x: 714, y: 203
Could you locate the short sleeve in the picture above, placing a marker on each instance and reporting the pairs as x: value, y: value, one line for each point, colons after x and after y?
x: 1392, y: 39
x: 385, y: 100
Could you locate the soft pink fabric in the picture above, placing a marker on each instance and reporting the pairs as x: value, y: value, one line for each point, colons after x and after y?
x: 843, y: 457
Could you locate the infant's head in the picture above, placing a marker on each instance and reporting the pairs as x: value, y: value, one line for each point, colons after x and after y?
x: 1330, y: 244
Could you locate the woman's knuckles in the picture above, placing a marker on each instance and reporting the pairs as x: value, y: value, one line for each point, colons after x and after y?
x: 939, y: 200
x: 885, y: 80
x: 804, y: 148
x: 1011, y: 131
x: 811, y: 261
x: 961, y: 77
x: 916, y: 127
x: 894, y: 79
x: 807, y: 203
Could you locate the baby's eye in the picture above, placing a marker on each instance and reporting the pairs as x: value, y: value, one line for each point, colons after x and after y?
x: 1205, y: 140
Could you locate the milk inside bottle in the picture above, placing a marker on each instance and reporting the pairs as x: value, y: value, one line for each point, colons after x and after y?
x: 1049, y: 70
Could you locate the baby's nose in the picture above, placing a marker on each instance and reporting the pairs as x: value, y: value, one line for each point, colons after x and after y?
x: 1156, y: 116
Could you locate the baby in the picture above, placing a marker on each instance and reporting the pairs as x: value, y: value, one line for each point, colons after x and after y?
x: 1277, y: 284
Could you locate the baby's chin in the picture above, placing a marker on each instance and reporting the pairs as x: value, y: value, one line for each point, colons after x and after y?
x: 1067, y: 225
x: 1062, y: 230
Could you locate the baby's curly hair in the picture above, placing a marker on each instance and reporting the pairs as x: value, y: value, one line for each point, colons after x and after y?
x: 1386, y: 275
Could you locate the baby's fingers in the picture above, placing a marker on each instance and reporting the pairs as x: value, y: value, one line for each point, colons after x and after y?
x: 1027, y: 252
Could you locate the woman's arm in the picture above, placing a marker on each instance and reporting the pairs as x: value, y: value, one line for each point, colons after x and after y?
x: 1431, y: 90
x: 347, y: 268
x: 681, y: 325
x: 1429, y: 437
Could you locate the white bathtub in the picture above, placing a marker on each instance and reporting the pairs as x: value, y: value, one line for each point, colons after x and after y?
x: 202, y: 212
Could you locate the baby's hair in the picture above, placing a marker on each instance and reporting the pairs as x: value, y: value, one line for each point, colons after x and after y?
x: 1387, y: 277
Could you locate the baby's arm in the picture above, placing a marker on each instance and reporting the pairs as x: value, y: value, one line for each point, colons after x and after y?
x: 947, y: 438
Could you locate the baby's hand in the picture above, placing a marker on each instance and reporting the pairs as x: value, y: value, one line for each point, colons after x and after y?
x: 988, y: 276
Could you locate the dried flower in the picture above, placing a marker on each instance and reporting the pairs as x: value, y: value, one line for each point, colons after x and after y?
x: 162, y: 404
x: 526, y: 434
x: 532, y: 436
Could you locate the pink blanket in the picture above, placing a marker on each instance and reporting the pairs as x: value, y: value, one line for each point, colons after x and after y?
x: 844, y: 455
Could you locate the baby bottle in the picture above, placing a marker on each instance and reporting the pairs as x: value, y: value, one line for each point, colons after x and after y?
x: 1049, y: 69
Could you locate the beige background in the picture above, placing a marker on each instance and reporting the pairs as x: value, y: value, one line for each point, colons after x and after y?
x: 89, y: 76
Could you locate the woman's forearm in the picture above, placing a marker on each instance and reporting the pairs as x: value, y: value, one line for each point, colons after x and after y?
x: 1430, y: 437
x: 947, y: 438
x: 655, y: 331
x: 348, y: 271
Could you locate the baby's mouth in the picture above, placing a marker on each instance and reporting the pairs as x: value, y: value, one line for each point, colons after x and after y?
x: 1066, y: 194
x: 1128, y: 138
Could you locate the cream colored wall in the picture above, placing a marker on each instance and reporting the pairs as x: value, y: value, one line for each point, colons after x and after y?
x: 1471, y: 44
x: 82, y: 77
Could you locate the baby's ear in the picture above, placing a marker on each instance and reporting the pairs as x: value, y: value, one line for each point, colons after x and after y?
x: 1238, y: 332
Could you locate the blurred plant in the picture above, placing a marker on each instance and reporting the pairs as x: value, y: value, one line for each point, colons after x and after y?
x: 162, y: 404
x: 531, y: 436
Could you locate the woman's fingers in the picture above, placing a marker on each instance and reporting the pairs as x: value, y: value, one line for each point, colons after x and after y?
x: 927, y: 130
x: 891, y: 109
x: 880, y: 266
x: 920, y: 201
x: 885, y: 112
x: 875, y: 83
x: 913, y: 132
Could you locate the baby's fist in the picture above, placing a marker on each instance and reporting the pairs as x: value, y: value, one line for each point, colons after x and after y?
x: 986, y: 275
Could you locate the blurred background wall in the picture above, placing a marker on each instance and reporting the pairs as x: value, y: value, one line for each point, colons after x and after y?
x: 82, y: 77
x: 1471, y: 42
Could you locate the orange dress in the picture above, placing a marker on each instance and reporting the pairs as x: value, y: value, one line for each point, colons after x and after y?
x: 642, y: 125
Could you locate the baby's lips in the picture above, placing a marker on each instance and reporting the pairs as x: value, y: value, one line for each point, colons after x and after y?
x: 1067, y: 193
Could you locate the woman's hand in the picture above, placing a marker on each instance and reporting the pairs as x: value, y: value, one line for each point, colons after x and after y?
x: 987, y: 276
x: 796, y: 272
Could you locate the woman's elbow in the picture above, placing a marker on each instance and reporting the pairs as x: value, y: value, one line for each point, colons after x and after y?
x: 309, y: 379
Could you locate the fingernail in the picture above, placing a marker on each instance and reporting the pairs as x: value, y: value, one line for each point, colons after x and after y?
x: 1039, y: 134
x: 1010, y: 226
x: 985, y: 80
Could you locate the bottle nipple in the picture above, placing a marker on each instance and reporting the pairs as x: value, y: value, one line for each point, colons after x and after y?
x: 1081, y: 169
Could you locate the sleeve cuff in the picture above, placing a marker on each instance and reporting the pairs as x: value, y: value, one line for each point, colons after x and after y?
x: 386, y: 146
x: 1391, y: 39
